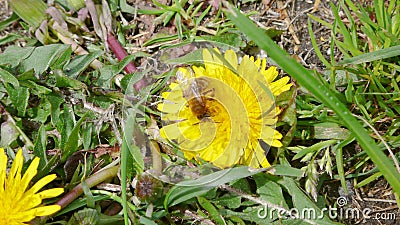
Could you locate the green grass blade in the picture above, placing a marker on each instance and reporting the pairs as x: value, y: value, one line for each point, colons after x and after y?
x: 391, y: 6
x: 348, y: 47
x: 372, y: 56
x: 352, y: 28
x: 5, y: 23
x: 124, y: 161
x: 32, y: 13
x: 379, y: 13
x: 307, y: 80
x: 321, y: 21
x: 362, y: 14
x: 346, y: 34
x: 339, y: 162
x: 315, y: 46
x: 368, y: 180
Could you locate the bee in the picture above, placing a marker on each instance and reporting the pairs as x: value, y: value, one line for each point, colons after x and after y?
x: 195, y: 91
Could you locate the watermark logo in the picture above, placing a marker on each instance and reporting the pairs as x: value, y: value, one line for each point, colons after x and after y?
x: 333, y: 213
x: 341, y: 201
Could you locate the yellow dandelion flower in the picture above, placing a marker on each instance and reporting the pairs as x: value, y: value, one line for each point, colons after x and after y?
x: 223, y: 111
x: 18, y: 204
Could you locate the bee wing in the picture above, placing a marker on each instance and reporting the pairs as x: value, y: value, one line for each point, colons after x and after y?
x: 181, y: 77
x: 189, y: 85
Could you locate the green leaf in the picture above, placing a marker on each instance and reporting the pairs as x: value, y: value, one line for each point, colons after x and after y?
x: 282, y: 170
x: 146, y: 221
x: 14, y: 55
x: 55, y: 102
x: 131, y: 161
x: 302, y: 203
x: 131, y: 130
x: 28, y: 75
x: 126, y: 170
x: 19, y: 97
x: 194, y: 57
x: 39, y: 149
x: 214, y: 213
x: 75, y: 5
x: 109, y: 71
x: 132, y: 78
x: 178, y: 25
x: 230, y: 201
x: 268, y: 190
x: 73, y: 139
x: 114, y: 220
x: 186, y: 190
x: 330, y: 131
x: 8, y: 133
x: 203, y: 14
x: 87, y: 135
x: 7, y: 77
x: 137, y: 158
x: 346, y: 47
x: 35, y: 88
x: 62, y: 60
x: 161, y: 39
x: 80, y: 63
x: 252, y: 215
x: 66, y: 124
x: 43, y: 57
x: 48, y: 167
x: 224, y: 41
x: 64, y: 81
x: 125, y: 7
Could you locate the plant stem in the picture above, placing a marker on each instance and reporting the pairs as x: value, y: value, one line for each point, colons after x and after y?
x: 93, y: 180
x: 120, y: 53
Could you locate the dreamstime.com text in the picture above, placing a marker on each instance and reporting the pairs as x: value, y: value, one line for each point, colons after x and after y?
x: 332, y: 213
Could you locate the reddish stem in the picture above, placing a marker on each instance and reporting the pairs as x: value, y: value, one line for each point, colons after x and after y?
x: 91, y: 181
x: 120, y: 52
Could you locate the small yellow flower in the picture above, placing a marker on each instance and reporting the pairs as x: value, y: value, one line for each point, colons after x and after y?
x: 18, y: 204
x: 225, y: 123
